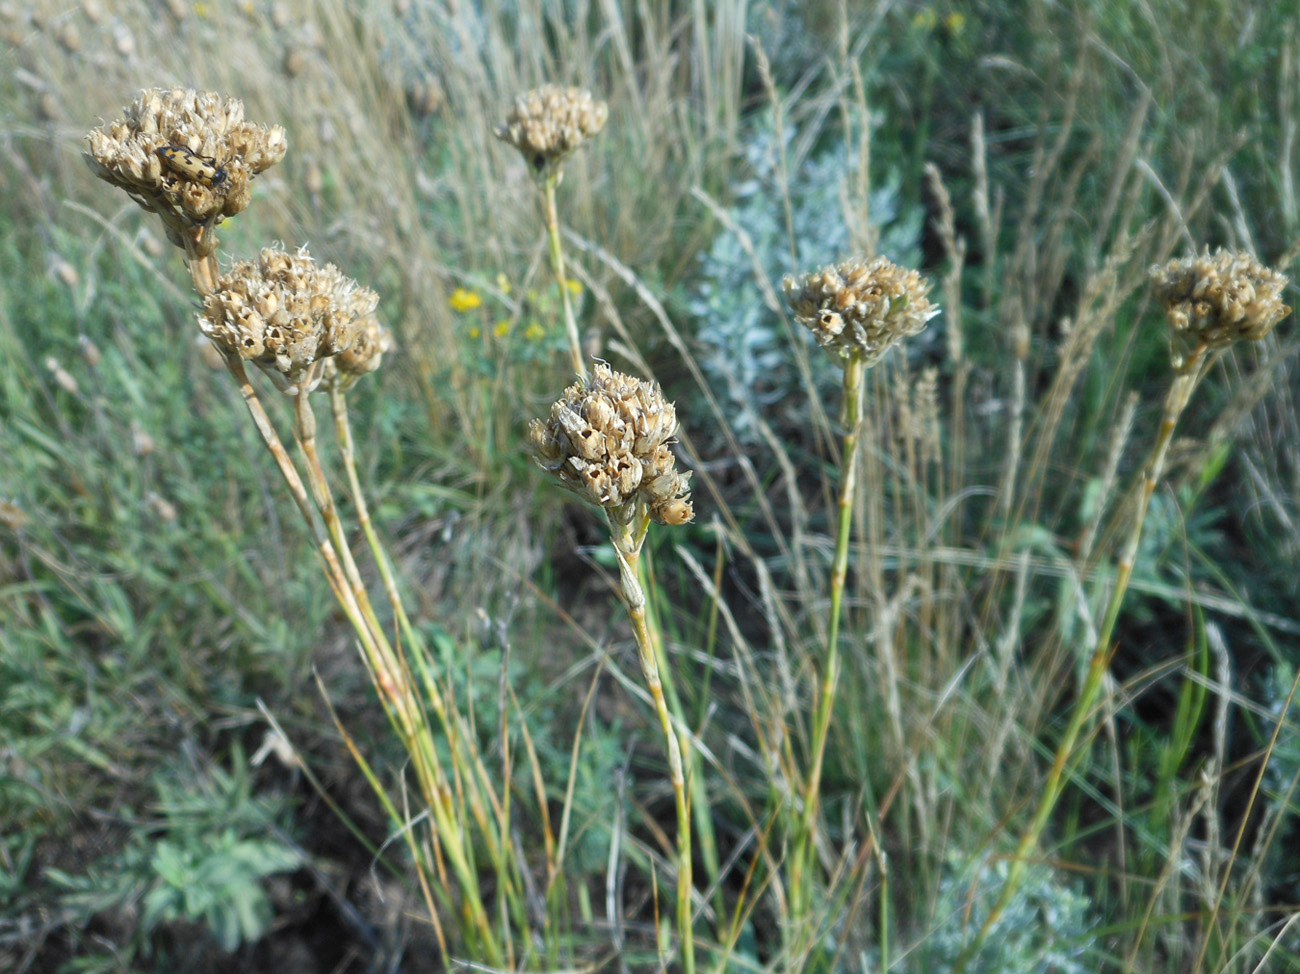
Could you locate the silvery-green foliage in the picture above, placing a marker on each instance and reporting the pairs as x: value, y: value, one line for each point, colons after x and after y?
x: 743, y: 344
x: 1046, y: 929
x: 1281, y: 864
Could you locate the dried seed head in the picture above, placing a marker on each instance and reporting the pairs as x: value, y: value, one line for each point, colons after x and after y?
x: 295, y: 62
x: 62, y: 377
x: 425, y: 97
x: 142, y: 443
x: 607, y: 441
x: 285, y: 313
x: 1211, y: 301
x: 549, y: 122
x: 68, y: 37
x: 363, y: 356
x: 89, y: 351
x: 160, y: 507
x: 12, y: 516
x: 205, y: 179
x: 861, y: 306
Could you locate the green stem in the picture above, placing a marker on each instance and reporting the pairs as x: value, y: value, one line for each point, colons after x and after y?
x: 397, y: 693
x: 851, y: 413
x: 557, y: 268
x: 701, y: 810
x: 449, y: 718
x: 627, y: 545
x: 1180, y: 393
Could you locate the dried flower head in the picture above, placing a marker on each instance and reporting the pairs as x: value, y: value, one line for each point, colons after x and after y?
x: 607, y: 441
x: 363, y: 356
x: 1211, y: 301
x: 185, y: 155
x: 549, y: 122
x: 285, y: 313
x: 860, y: 306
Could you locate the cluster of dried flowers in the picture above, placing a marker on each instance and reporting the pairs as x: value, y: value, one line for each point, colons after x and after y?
x: 185, y: 155
x: 549, y: 122
x: 861, y: 307
x: 607, y: 441
x: 285, y: 313
x: 1214, y: 300
x: 364, y: 355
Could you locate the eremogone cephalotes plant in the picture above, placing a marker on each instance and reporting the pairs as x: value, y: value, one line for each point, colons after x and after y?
x: 607, y: 440
x: 546, y: 125
x: 1211, y: 302
x: 857, y: 310
x: 189, y: 157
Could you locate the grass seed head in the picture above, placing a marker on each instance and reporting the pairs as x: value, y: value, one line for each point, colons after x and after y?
x: 860, y: 305
x: 607, y: 441
x: 1214, y: 300
x: 284, y: 312
x: 549, y: 122
x: 125, y: 152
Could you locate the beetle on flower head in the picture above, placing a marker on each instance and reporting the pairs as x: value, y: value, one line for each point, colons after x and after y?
x: 192, y: 166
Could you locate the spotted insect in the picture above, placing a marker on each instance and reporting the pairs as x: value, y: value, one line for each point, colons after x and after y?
x: 191, y: 166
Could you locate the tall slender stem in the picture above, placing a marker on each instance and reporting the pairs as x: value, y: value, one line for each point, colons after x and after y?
x: 557, y: 268
x: 627, y: 544
x: 851, y: 412
x: 1179, y: 395
x: 394, y: 684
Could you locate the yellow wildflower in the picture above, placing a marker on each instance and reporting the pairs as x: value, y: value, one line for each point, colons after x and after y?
x: 534, y: 332
x: 464, y: 300
x: 575, y: 287
x: 475, y: 332
x: 502, y: 328
x: 503, y: 283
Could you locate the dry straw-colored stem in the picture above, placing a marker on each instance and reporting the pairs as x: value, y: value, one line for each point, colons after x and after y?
x: 393, y: 677
x: 556, y: 252
x: 628, y: 539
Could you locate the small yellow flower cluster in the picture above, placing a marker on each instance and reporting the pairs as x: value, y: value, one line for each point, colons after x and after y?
x: 548, y: 123
x: 285, y: 313
x: 463, y: 300
x: 1212, y: 301
x: 607, y: 441
x: 861, y: 307
x: 185, y: 155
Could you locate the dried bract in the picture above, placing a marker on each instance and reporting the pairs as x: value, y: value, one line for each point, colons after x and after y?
x: 861, y: 306
x: 185, y: 155
x: 363, y: 356
x: 285, y: 313
x: 548, y: 123
x: 1211, y: 301
x: 607, y: 441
